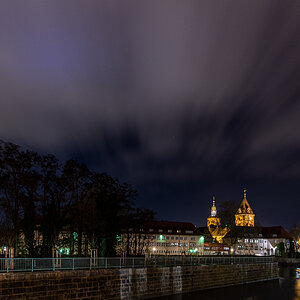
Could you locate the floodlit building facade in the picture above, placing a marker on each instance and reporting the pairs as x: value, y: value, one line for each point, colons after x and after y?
x: 244, y: 215
x: 214, y: 225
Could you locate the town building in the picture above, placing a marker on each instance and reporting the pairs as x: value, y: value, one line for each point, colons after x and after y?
x: 260, y: 241
x: 162, y: 238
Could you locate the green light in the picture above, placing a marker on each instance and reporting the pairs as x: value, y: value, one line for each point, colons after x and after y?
x: 161, y: 237
x: 118, y: 238
x: 75, y: 236
x: 201, y: 240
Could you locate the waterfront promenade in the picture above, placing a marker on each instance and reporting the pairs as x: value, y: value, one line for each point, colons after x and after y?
x: 134, y: 277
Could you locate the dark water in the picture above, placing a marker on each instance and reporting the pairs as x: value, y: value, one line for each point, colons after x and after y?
x: 287, y: 287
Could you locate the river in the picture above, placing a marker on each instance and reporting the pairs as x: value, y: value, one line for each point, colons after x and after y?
x: 287, y: 287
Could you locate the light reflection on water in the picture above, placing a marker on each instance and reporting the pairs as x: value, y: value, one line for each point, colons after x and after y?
x: 287, y: 287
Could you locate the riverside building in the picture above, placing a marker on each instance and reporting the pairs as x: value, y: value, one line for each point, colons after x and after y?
x: 162, y: 238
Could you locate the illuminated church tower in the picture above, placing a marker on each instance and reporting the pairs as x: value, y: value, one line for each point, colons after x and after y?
x: 244, y: 215
x: 213, y: 220
x: 213, y: 224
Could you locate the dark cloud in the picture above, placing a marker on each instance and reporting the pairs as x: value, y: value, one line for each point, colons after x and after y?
x: 184, y: 99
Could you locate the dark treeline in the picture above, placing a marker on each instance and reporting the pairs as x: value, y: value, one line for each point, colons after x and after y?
x: 39, y: 195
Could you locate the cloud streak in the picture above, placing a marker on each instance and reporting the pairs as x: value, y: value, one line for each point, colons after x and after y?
x: 167, y: 91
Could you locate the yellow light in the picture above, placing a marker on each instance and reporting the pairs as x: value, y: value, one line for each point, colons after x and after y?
x: 154, y: 249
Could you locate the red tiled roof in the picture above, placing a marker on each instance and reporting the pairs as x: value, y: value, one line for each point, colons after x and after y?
x: 280, y: 232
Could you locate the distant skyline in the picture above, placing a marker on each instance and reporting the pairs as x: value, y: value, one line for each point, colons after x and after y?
x: 184, y: 100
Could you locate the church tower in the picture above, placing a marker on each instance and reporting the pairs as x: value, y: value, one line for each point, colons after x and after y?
x: 213, y: 220
x: 244, y: 215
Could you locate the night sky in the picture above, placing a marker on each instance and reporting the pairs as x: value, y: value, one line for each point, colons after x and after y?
x: 183, y: 99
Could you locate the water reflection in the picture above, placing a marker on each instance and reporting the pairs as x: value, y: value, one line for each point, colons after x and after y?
x: 286, y: 288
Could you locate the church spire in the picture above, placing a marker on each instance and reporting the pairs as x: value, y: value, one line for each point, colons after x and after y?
x: 213, y: 211
x: 213, y: 220
x: 245, y: 194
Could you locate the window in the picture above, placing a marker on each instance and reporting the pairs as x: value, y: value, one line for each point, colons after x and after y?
x: 181, y: 237
x: 172, y: 237
x: 178, y: 231
x: 176, y: 238
x: 185, y: 238
x: 150, y: 230
x: 168, y: 237
x: 274, y: 235
x: 189, y: 231
x: 192, y: 238
x: 246, y: 240
x: 169, y: 230
x: 160, y: 230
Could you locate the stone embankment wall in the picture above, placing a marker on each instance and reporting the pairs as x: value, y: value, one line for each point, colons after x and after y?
x: 129, y: 283
x: 288, y: 261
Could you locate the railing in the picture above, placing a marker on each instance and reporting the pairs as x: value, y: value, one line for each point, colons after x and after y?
x: 75, y: 263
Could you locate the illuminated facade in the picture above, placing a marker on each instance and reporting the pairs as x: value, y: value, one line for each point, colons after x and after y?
x: 213, y: 220
x: 244, y: 215
x: 213, y: 224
